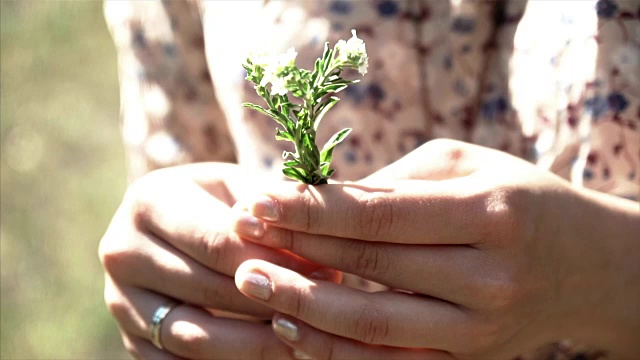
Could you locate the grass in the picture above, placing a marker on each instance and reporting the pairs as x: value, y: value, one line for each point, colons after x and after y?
x: 61, y: 178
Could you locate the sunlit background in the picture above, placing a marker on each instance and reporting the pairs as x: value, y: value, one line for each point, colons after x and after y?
x: 62, y: 176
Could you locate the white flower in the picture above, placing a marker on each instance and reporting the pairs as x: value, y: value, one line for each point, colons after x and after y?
x: 261, y: 59
x: 276, y: 69
x: 353, y: 51
x: 288, y: 58
x: 279, y: 85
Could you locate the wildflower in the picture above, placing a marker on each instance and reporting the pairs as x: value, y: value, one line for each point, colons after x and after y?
x: 315, y: 90
x: 353, y: 52
x: 277, y: 69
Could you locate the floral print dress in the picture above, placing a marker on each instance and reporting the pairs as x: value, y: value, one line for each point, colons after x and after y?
x: 554, y: 82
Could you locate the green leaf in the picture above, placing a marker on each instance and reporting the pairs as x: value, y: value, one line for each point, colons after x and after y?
x: 341, y: 81
x: 294, y: 174
x: 334, y: 88
x: 257, y: 108
x: 327, y: 150
x: 327, y: 60
x: 322, y: 110
x: 292, y: 163
x: 324, y: 167
x: 311, y: 150
x: 316, y: 70
x: 290, y: 127
x: 279, y: 117
x: 282, y: 135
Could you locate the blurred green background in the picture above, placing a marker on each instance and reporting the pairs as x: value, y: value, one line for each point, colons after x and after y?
x: 62, y: 176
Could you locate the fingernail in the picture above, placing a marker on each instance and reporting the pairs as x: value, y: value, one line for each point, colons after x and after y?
x: 297, y: 354
x: 265, y: 208
x: 256, y: 285
x: 286, y: 329
x: 248, y: 225
x: 323, y: 274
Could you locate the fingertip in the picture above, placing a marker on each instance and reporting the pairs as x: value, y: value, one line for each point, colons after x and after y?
x: 254, y: 283
x: 243, y: 270
x: 246, y: 225
x: 285, y: 327
x: 265, y: 207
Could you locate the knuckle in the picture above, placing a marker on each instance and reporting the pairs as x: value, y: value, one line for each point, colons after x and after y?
x: 191, y: 340
x: 213, y: 244
x: 104, y: 250
x: 371, y: 326
x: 120, y: 255
x: 115, y: 243
x: 450, y: 149
x: 116, y: 305
x: 311, y: 213
x: 289, y: 241
x: 141, y: 197
x: 297, y: 302
x: 366, y: 258
x: 285, y: 238
x: 131, y: 347
x: 442, y: 143
x: 376, y: 215
x: 505, y: 214
x: 115, y: 257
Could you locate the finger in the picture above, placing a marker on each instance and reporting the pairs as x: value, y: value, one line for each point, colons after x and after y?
x: 197, y: 224
x: 311, y: 343
x: 394, y: 265
x: 412, y: 212
x: 142, y: 349
x: 162, y: 269
x: 383, y: 318
x: 193, y: 333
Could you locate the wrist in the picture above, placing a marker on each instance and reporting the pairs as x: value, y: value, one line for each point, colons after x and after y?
x: 603, y: 279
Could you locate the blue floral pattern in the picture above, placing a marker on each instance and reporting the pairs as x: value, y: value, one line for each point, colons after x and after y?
x: 617, y: 102
x: 606, y: 8
x: 463, y: 24
x: 388, y: 8
x: 564, y: 92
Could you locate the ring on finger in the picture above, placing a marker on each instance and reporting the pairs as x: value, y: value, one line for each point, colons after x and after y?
x: 156, y: 322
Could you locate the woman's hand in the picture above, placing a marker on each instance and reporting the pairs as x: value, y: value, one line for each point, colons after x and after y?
x: 169, y: 240
x: 490, y: 258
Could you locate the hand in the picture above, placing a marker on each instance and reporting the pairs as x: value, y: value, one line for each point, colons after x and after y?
x: 169, y: 240
x: 492, y: 256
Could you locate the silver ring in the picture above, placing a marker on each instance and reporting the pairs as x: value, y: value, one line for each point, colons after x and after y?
x: 157, y: 320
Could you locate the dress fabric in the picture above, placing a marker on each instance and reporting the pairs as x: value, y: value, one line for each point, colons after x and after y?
x: 554, y: 82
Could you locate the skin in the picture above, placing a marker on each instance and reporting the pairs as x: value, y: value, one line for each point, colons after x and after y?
x: 487, y: 255
x: 170, y: 240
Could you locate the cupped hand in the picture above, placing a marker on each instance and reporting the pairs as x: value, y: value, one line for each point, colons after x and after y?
x: 487, y: 255
x: 169, y: 241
